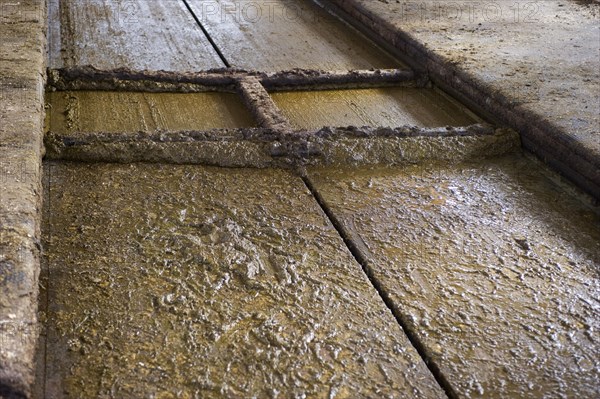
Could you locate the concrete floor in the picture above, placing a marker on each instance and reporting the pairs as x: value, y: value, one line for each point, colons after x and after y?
x: 533, y: 65
x: 374, y: 239
x: 210, y: 282
x: 490, y: 265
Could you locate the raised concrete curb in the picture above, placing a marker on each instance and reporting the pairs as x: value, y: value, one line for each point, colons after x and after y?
x: 573, y: 152
x: 22, y: 76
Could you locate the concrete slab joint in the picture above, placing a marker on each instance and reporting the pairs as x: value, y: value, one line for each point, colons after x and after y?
x: 180, y: 134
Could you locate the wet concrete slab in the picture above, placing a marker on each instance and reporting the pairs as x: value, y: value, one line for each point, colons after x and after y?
x: 103, y: 111
x: 490, y: 265
x: 389, y: 107
x: 186, y: 281
x: 544, y: 55
x: 273, y: 35
x: 533, y: 64
x: 137, y: 34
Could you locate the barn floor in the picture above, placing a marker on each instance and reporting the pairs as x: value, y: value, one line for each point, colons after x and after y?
x: 253, y: 199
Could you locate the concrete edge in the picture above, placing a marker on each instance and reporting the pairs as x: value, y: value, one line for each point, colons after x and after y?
x: 22, y: 62
x: 540, y: 136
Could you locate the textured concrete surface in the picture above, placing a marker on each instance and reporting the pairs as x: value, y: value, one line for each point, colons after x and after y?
x: 100, y: 111
x: 491, y: 266
x: 206, y: 282
x: 272, y: 35
x: 22, y: 29
x: 387, y: 107
x: 139, y: 34
x: 162, y: 277
x: 533, y: 64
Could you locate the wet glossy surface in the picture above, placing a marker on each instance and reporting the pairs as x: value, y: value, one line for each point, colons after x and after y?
x: 542, y: 55
x: 272, y: 35
x: 182, y: 281
x: 388, y: 107
x: 137, y: 34
x: 187, y: 281
x: 491, y: 265
x: 101, y: 111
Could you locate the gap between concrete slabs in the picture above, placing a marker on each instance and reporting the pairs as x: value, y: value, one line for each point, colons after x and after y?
x: 22, y: 78
x: 489, y: 267
x: 0, y: 199
x: 195, y: 278
x: 281, y: 34
x: 140, y: 34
